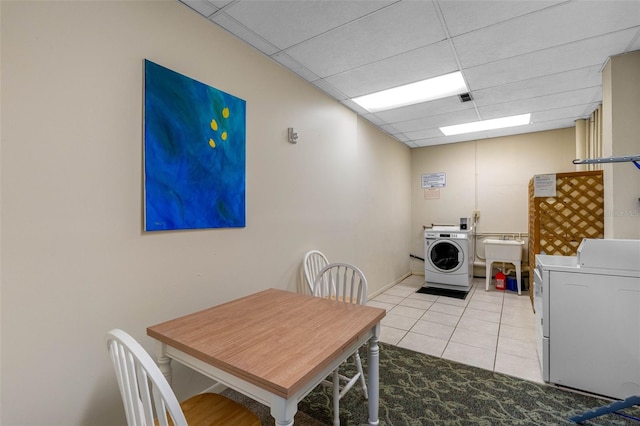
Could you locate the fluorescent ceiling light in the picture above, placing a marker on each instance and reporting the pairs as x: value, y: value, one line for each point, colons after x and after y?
x: 414, y: 93
x: 477, y: 126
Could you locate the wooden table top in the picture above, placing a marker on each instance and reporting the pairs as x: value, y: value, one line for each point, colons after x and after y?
x: 275, y: 339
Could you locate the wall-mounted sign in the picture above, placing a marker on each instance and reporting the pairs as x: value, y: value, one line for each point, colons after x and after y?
x: 434, y: 180
x: 432, y: 193
x: 544, y: 185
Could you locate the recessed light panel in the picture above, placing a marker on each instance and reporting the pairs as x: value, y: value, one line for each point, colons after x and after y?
x: 478, y: 126
x: 414, y: 93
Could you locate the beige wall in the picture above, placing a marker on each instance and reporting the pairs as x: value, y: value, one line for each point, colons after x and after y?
x: 75, y: 261
x: 621, y: 127
x: 491, y: 176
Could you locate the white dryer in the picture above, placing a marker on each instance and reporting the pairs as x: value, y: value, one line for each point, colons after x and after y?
x: 588, y: 317
x: 449, y: 255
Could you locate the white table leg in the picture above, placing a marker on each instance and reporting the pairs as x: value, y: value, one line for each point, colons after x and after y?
x: 518, y: 277
x: 336, y: 398
x: 374, y: 376
x: 164, y: 363
x: 283, y: 411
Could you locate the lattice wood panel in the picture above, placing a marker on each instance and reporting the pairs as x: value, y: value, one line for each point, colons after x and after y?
x: 557, y: 225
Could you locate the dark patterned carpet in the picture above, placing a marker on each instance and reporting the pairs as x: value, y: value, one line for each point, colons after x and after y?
x: 418, y: 389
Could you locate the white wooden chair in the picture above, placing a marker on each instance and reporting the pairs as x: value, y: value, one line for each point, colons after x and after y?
x: 345, y: 283
x: 143, y: 387
x: 314, y: 261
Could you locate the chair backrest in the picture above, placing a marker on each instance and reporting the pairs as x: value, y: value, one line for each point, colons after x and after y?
x: 142, y: 384
x: 341, y: 281
x: 314, y: 261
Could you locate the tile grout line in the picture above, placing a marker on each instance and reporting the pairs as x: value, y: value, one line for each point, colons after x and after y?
x: 495, y: 358
x: 457, y: 323
x: 473, y: 297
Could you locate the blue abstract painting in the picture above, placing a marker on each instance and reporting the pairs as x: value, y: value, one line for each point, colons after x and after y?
x: 194, y: 153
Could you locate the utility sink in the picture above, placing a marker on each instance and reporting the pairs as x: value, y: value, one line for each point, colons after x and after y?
x: 503, y: 250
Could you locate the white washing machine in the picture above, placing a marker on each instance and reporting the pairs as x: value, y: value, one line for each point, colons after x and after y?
x: 449, y: 255
x: 588, y: 317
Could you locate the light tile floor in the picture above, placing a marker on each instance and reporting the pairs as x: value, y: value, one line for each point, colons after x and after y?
x: 491, y: 329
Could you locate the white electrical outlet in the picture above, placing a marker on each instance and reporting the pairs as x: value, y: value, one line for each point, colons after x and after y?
x: 476, y: 214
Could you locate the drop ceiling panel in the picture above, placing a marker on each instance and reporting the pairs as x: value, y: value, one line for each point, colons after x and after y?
x: 540, y: 86
x: 505, y: 132
x: 567, y: 57
x: 390, y: 129
x: 286, y: 23
x: 425, y: 109
x: 203, y: 7
x: 329, y: 89
x: 464, y: 16
x: 540, y: 103
x: 219, y: 3
x: 244, y: 33
x: 424, y: 134
x: 554, y: 26
x: 396, y: 29
x: 538, y: 56
x: 293, y: 65
x: 378, y: 122
x: 570, y: 113
x: 414, y: 65
x: 464, y: 116
x: 440, y: 140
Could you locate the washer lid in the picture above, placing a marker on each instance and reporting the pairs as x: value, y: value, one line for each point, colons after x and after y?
x: 609, y: 254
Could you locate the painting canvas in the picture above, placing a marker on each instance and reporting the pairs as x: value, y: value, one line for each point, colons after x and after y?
x: 194, y: 153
